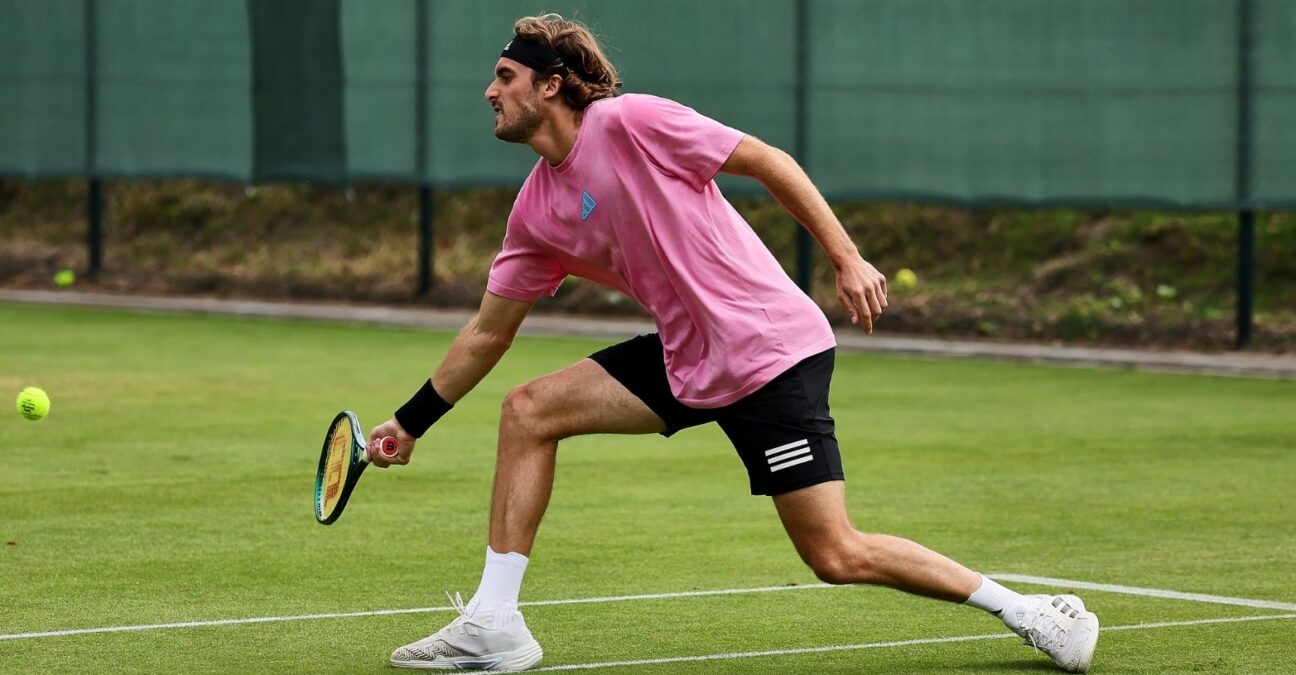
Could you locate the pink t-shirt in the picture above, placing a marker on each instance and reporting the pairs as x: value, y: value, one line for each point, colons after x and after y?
x: 634, y: 207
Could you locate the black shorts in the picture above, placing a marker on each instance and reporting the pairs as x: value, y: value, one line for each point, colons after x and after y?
x: 782, y: 431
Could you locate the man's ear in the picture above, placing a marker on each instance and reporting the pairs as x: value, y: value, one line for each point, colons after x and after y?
x: 551, y: 86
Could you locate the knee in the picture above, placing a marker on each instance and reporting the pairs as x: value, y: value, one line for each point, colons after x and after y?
x: 523, y: 412
x: 832, y: 568
x: 839, y: 563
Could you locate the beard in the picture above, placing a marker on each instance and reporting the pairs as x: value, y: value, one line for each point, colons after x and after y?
x: 522, y: 125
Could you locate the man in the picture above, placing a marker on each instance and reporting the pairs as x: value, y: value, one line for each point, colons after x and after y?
x: 623, y: 194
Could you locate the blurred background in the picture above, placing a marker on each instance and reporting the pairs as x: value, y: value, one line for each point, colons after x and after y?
x: 1116, y: 172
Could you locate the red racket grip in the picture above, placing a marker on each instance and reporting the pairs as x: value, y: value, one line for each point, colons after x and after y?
x: 387, y: 446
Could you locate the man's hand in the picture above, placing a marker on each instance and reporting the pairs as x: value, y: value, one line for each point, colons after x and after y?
x: 862, y: 290
x: 404, y: 444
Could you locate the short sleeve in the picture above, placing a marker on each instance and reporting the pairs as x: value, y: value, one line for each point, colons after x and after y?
x: 522, y: 271
x: 678, y: 139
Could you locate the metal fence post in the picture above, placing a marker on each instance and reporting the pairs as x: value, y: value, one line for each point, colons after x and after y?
x: 1242, y: 188
x: 800, y: 143
x: 94, y: 189
x: 1246, y: 277
x: 427, y: 204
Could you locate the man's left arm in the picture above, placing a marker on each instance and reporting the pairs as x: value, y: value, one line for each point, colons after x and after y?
x: 860, y: 287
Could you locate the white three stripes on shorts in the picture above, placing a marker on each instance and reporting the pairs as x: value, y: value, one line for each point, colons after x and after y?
x: 792, y: 454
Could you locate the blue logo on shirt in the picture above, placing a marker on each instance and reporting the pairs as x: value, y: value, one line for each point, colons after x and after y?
x: 587, y: 204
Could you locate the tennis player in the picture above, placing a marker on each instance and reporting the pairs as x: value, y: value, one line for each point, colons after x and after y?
x: 623, y: 194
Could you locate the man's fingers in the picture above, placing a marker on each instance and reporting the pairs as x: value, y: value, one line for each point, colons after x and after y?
x: 849, y: 303
x: 865, y: 306
x: 380, y: 459
x: 864, y: 295
x: 876, y: 302
x: 867, y: 301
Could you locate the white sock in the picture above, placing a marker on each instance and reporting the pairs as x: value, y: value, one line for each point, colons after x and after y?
x: 992, y: 597
x: 501, y: 583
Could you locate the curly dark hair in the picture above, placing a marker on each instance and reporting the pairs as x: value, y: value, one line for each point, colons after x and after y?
x: 588, y: 74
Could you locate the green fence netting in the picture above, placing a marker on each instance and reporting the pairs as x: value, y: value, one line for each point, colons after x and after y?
x: 1040, y: 102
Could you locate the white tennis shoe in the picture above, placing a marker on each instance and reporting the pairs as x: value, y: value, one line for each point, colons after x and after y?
x: 1058, y: 625
x: 466, y: 645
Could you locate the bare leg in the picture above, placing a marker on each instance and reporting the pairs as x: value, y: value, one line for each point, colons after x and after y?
x: 815, y: 519
x: 580, y: 399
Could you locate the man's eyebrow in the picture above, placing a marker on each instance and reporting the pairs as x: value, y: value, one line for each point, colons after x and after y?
x: 502, y: 71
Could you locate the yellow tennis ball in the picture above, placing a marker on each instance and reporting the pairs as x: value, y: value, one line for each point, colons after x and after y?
x: 906, y: 278
x: 65, y: 278
x: 33, y: 403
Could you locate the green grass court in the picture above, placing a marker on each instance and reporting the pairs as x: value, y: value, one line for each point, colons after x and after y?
x: 172, y: 484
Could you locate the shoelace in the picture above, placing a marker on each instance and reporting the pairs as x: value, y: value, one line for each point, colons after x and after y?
x: 432, y: 642
x: 1050, y: 634
x: 456, y: 601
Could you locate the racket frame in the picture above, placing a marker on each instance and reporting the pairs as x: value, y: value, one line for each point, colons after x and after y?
x: 357, y: 461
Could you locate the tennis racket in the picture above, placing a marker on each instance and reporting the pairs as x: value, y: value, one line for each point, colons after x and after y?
x: 342, y: 461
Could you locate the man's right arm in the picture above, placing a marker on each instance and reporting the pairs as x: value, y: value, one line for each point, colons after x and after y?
x: 479, y: 346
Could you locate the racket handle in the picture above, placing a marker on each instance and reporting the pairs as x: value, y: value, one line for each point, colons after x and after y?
x: 387, y: 446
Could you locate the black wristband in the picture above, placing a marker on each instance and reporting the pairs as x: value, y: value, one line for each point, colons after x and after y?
x: 423, y: 409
